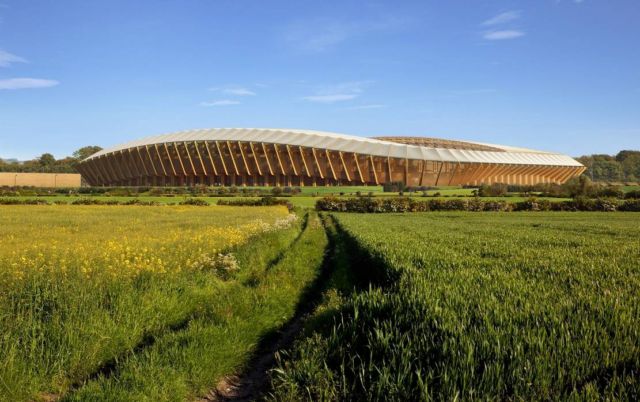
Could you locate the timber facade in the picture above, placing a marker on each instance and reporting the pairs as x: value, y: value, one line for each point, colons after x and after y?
x: 268, y: 157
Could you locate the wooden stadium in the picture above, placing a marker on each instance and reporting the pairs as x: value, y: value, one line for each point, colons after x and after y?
x: 282, y: 157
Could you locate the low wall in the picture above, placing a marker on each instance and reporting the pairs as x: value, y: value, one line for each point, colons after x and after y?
x: 40, y: 179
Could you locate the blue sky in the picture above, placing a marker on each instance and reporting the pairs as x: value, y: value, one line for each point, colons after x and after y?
x: 560, y: 75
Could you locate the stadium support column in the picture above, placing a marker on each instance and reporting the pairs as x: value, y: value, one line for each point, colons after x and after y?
x: 355, y: 159
x: 333, y: 172
x: 439, y: 173
x: 146, y: 171
x: 373, y: 169
x: 204, y: 169
x: 282, y: 171
x: 304, y: 163
x: 235, y: 165
x: 344, y: 166
x: 315, y: 158
x: 246, y: 166
x: 164, y: 170
x: 271, y: 172
x: 224, y: 165
x: 293, y: 166
x: 453, y: 172
x: 207, y: 147
x: 255, y: 158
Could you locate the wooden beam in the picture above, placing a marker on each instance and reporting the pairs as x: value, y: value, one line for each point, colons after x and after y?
x: 94, y: 172
x: 455, y: 168
x: 153, y: 166
x: 90, y: 165
x: 266, y: 156
x: 146, y: 172
x: 118, y: 175
x: 193, y: 167
x: 118, y: 159
x: 159, y: 159
x: 373, y: 168
x: 477, y: 173
x: 224, y: 165
x: 173, y: 168
x: 134, y: 162
x: 355, y: 158
x: 406, y: 171
x: 293, y: 165
x: 175, y: 147
x: 275, y: 147
x: 85, y: 173
x: 233, y: 159
x: 439, y: 172
x: 344, y: 166
x: 213, y: 163
x: 488, y: 176
x: 204, y: 169
x: 244, y: 159
x: 101, y: 166
x: 473, y: 170
x: 390, y: 177
x: 304, y: 162
x: 255, y: 158
x: 133, y: 168
x: 333, y: 172
x: 424, y: 163
x: 118, y: 166
x: 569, y: 173
x: 315, y: 158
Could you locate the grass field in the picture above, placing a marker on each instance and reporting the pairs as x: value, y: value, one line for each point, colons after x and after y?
x: 131, y: 303
x: 531, y: 306
x: 100, y: 301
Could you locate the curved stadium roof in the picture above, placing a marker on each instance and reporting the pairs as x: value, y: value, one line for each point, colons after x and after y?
x: 396, y: 147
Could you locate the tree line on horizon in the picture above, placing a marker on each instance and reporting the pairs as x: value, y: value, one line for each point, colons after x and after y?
x: 622, y: 167
x: 47, y: 163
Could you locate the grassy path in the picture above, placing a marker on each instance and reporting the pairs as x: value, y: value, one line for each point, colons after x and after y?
x: 188, y: 362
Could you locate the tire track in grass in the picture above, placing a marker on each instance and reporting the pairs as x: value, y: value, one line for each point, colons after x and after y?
x: 111, y: 367
x: 253, y: 381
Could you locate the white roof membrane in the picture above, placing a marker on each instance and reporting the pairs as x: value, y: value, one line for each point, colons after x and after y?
x: 350, y: 143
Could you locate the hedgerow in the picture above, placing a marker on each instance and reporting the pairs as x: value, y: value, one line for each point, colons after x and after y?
x: 405, y: 204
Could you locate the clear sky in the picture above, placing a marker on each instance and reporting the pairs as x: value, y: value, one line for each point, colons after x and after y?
x: 561, y: 75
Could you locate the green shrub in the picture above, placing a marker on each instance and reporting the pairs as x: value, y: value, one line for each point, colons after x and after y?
x: 195, y: 202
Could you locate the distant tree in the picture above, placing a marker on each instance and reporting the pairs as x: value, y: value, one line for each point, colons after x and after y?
x: 85, y: 152
x: 46, y: 160
x: 630, y: 161
x: 602, y: 167
x: 579, y: 186
x: 47, y: 163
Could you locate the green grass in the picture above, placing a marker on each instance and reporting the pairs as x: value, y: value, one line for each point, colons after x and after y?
x: 187, y: 363
x: 84, y: 288
x: 533, y: 306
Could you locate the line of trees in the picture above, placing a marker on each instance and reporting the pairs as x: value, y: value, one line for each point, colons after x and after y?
x: 624, y: 166
x: 47, y: 163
